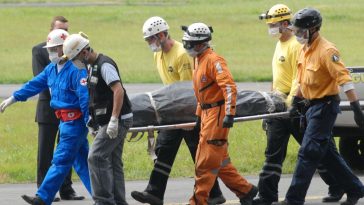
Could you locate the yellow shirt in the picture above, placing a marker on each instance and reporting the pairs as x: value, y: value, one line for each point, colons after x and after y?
x: 175, y: 65
x: 284, y: 67
x: 320, y: 70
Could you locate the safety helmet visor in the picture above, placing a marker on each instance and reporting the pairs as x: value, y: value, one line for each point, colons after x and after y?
x: 190, y: 44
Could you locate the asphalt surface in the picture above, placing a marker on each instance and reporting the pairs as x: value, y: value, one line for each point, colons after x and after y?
x: 178, y: 191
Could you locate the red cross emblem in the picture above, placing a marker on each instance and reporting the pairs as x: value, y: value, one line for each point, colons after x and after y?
x: 83, y: 81
x: 63, y: 36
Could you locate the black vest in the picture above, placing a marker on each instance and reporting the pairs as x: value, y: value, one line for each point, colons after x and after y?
x: 101, y: 95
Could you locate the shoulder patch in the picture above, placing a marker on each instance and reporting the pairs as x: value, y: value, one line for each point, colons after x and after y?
x: 335, y: 58
x: 83, y: 81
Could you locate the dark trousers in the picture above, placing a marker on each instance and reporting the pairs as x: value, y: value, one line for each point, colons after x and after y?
x: 278, y: 133
x: 47, y: 136
x: 168, y: 143
x: 318, y: 146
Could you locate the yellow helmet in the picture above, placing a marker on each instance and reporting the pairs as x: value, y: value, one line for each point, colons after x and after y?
x: 278, y: 12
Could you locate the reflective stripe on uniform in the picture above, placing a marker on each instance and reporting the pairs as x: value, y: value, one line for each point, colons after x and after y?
x: 223, y: 164
x: 163, y: 165
x: 161, y: 171
x: 229, y: 96
x: 218, y: 67
x: 273, y: 165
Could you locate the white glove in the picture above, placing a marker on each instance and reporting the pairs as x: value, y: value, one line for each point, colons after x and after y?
x: 112, y: 127
x: 7, y: 103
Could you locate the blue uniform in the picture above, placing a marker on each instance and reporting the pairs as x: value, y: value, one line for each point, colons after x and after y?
x: 68, y: 91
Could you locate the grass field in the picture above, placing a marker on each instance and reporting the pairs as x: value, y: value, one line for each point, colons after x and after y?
x: 116, y: 30
x: 18, y: 149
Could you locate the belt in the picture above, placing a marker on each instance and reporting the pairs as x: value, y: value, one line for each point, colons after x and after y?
x: 68, y: 114
x: 325, y: 99
x: 217, y: 142
x: 208, y: 106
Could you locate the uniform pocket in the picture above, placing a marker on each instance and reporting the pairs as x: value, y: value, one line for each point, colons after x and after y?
x: 311, y: 77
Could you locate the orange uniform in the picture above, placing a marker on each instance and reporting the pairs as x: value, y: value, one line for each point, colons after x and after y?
x: 316, y: 70
x: 216, y: 92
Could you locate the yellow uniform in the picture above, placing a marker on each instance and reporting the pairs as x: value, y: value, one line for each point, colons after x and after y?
x: 175, y: 65
x: 284, y: 65
x: 320, y: 70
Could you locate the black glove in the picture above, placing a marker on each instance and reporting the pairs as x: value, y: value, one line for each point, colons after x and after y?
x: 358, y: 114
x: 198, y: 123
x: 294, y: 110
x: 228, y: 121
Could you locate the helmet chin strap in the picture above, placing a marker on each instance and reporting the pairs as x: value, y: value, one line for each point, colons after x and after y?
x: 310, y: 34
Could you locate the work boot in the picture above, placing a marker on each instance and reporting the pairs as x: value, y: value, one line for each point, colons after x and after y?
x: 216, y: 200
x: 281, y: 203
x: 248, y: 198
x: 145, y: 197
x: 70, y: 194
x: 34, y: 200
x: 56, y: 199
x: 333, y: 197
x: 351, y: 200
x: 261, y: 201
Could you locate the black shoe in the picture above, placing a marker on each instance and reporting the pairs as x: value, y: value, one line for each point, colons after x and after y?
x: 145, y: 197
x: 248, y: 198
x: 281, y: 203
x: 216, y: 200
x: 332, y: 197
x: 351, y: 200
x: 56, y: 199
x: 34, y: 200
x: 71, y: 196
x: 261, y: 201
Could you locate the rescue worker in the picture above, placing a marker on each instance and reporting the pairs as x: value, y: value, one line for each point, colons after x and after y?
x: 47, y: 120
x: 216, y: 92
x: 69, y: 97
x: 173, y: 65
x: 320, y: 73
x: 111, y: 118
x: 278, y: 130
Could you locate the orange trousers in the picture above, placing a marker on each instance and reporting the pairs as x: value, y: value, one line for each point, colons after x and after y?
x: 212, y: 159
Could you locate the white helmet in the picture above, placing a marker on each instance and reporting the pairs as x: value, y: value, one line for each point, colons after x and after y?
x: 74, y: 45
x: 196, y: 33
x: 153, y: 26
x: 56, y: 38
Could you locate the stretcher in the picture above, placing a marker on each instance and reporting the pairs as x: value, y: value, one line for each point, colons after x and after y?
x: 174, y: 107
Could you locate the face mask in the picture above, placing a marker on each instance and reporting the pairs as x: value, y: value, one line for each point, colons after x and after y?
x: 300, y: 36
x: 302, y: 40
x: 274, y: 32
x: 154, y: 47
x: 192, y: 52
x: 54, y: 58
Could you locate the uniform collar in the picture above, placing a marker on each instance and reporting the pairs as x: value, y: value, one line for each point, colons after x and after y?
x: 204, y: 53
x: 313, y: 44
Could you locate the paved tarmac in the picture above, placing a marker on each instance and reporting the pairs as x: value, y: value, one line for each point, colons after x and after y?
x: 178, y: 191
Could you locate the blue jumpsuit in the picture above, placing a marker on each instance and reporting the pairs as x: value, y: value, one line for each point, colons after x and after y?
x: 68, y: 91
